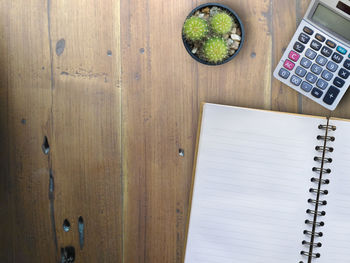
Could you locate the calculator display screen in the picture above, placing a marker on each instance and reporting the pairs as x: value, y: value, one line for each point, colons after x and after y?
x: 332, y: 21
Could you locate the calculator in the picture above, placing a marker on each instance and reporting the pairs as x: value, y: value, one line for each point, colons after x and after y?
x: 316, y: 62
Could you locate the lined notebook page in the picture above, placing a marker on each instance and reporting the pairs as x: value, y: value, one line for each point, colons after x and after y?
x: 336, y: 232
x: 251, y: 186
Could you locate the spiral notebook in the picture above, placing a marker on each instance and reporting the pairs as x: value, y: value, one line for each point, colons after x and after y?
x: 269, y: 187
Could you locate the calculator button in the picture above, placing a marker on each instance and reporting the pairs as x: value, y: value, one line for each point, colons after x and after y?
x: 338, y: 82
x: 321, y: 60
x: 341, y: 50
x: 330, y: 43
x: 327, y: 75
x: 303, y: 38
x: 306, y: 86
x: 316, y: 45
x: 320, y: 37
x: 310, y: 53
x: 332, y: 66
x: 299, y: 47
x: 331, y: 95
x: 322, y: 84
x: 284, y: 73
x: 308, y: 30
x: 300, y: 71
x: 316, y: 92
x: 311, y: 78
x: 343, y: 73
x: 288, y: 64
x: 337, y: 58
x: 326, y: 51
x: 294, y: 56
x: 295, y: 80
x: 316, y: 69
x: 347, y: 64
x: 305, y: 63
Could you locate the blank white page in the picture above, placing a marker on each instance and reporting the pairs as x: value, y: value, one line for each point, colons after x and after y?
x: 251, y: 186
x: 336, y: 232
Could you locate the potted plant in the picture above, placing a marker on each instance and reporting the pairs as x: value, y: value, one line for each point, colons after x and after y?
x: 213, y: 34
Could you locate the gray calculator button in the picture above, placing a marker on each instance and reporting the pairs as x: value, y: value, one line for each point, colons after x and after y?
x: 337, y: 58
x: 295, y: 80
x: 311, y: 78
x: 316, y: 69
x: 321, y: 60
x: 331, y: 66
x: 306, y: 86
x: 347, y: 64
x: 343, y: 73
x: 310, y: 53
x: 327, y: 75
x: 322, y: 84
x: 305, y: 63
x: 283, y: 73
x: 300, y: 71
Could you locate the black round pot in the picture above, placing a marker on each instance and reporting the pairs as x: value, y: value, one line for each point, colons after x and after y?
x: 230, y: 11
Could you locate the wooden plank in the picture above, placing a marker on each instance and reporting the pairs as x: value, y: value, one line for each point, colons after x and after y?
x: 283, y: 17
x: 162, y: 89
x: 25, y: 93
x: 232, y: 83
x: 86, y: 125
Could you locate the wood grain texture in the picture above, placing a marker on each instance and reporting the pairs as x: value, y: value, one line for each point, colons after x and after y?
x: 86, y: 157
x: 117, y: 102
x: 283, y: 17
x: 162, y: 91
x: 71, y: 95
x: 25, y: 79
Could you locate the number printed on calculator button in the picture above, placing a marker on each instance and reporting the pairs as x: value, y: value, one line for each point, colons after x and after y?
x: 310, y: 53
x: 331, y: 95
x: 300, y: 71
x: 316, y: 45
x: 303, y: 38
x: 295, y: 80
x: 322, y: 84
x: 306, y: 86
x: 305, y: 63
x: 298, y: 47
x: 337, y: 58
x: 316, y: 93
x: 321, y: 60
x: 316, y: 69
x: 327, y: 75
x: 283, y: 73
x: 338, y: 82
x: 331, y: 66
x: 326, y: 51
x: 311, y: 78
x: 343, y: 73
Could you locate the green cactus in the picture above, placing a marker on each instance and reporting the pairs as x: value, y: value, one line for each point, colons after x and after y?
x: 221, y: 23
x: 215, y: 49
x: 195, y: 28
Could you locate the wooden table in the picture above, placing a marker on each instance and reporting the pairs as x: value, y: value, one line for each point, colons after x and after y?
x: 113, y: 89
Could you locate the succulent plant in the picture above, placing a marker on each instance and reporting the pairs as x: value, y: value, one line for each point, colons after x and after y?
x: 215, y: 49
x: 221, y: 23
x: 195, y: 28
